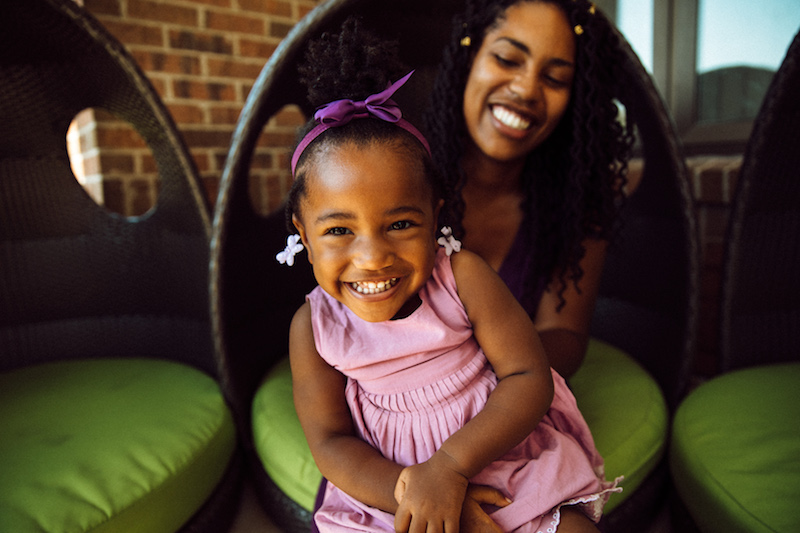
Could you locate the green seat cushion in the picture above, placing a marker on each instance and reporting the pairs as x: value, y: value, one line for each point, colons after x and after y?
x: 626, y: 411
x: 109, y: 445
x: 622, y: 404
x: 735, y: 451
x: 279, y: 440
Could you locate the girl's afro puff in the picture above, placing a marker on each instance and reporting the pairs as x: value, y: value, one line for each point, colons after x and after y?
x: 353, y: 63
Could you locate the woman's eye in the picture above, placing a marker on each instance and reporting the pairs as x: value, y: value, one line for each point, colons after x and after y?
x: 504, y: 61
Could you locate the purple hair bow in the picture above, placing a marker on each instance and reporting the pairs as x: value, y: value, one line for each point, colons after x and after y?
x: 340, y: 112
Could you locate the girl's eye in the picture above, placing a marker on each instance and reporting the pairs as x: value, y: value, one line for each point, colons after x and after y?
x: 337, y: 231
x: 401, y: 224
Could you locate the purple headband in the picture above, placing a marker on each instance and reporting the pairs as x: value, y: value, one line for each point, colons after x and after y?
x: 340, y: 112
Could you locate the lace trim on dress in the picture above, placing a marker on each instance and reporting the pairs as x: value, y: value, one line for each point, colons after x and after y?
x: 591, y: 505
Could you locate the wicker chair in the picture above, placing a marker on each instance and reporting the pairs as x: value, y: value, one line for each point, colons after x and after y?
x: 647, y: 306
x: 112, y: 417
x: 735, y: 442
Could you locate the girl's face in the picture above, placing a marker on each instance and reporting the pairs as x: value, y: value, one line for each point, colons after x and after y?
x: 368, y: 221
x: 520, y: 82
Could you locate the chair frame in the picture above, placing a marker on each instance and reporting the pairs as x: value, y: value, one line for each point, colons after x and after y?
x: 253, y: 299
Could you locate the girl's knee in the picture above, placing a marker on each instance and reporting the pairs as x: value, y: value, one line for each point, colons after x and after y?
x: 574, y: 521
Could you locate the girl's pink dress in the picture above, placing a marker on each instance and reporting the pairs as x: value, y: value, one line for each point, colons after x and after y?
x: 415, y: 381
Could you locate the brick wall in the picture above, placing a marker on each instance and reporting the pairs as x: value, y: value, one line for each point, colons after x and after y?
x: 203, y: 57
x: 713, y: 181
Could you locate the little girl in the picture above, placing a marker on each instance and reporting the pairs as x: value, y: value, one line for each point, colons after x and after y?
x: 420, y: 382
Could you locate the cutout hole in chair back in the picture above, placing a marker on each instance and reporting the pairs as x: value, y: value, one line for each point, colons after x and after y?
x: 113, y: 163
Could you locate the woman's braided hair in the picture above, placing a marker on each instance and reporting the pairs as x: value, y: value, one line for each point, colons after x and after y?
x: 352, y: 64
x: 572, y: 181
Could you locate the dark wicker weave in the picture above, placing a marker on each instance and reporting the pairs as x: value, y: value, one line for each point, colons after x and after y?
x: 75, y: 280
x: 760, y: 305
x: 648, y: 301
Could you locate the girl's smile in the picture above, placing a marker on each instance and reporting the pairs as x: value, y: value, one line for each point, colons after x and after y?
x: 368, y: 220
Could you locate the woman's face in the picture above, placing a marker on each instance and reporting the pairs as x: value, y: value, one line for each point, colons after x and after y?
x: 520, y: 82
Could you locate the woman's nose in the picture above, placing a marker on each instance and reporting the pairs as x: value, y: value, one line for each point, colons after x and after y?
x: 527, y: 87
x: 373, y: 253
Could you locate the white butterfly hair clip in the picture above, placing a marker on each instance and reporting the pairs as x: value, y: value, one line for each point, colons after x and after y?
x: 450, y: 243
x: 293, y: 247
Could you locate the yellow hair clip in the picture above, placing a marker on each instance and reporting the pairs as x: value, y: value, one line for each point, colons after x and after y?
x: 578, y: 30
x: 466, y: 41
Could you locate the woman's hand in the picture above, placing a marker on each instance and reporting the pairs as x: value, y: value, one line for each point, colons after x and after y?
x: 430, y: 497
x: 473, y: 518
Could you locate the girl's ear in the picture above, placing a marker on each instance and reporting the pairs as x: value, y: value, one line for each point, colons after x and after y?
x: 298, y: 224
x: 438, y: 209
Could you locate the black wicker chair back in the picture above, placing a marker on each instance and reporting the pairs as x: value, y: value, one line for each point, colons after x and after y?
x: 75, y: 279
x: 760, y: 304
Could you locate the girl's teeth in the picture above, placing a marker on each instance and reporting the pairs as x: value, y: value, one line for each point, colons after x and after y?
x: 373, y: 287
x: 510, y: 119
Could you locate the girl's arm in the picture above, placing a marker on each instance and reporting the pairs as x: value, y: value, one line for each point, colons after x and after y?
x: 522, y: 397
x: 512, y: 346
x: 565, y: 333
x: 343, y: 458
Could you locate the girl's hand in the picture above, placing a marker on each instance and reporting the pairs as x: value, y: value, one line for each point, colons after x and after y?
x: 430, y: 497
x: 473, y: 518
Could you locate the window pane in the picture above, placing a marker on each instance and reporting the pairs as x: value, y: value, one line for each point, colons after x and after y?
x: 740, y: 44
x: 635, y: 21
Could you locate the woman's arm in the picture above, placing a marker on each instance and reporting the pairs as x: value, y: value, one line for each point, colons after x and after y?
x: 565, y: 333
x: 343, y: 458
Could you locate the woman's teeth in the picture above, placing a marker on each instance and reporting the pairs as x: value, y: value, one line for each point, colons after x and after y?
x: 373, y: 287
x: 510, y: 119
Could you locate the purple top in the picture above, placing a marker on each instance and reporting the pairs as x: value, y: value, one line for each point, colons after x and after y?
x: 513, y: 272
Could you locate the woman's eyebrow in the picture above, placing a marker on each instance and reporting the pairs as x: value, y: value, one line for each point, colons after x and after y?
x: 522, y: 47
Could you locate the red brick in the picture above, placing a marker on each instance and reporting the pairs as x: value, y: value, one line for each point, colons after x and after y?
x: 186, y: 114
x: 163, y: 12
x: 148, y: 164
x: 254, y: 48
x: 271, y: 7
x: 279, y: 29
x: 116, y: 163
x: 113, y: 196
x: 131, y: 33
x: 119, y: 138
x: 232, y: 68
x: 273, y: 139
x: 142, y: 193
x: 198, y: 90
x: 201, y: 42
x: 169, y: 63
x: 211, y: 186
x: 216, y: 3
x: 234, y: 23
x: 201, y: 161
x: 225, y: 115
x: 207, y: 139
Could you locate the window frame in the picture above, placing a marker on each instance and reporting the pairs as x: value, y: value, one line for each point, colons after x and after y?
x: 675, y: 25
